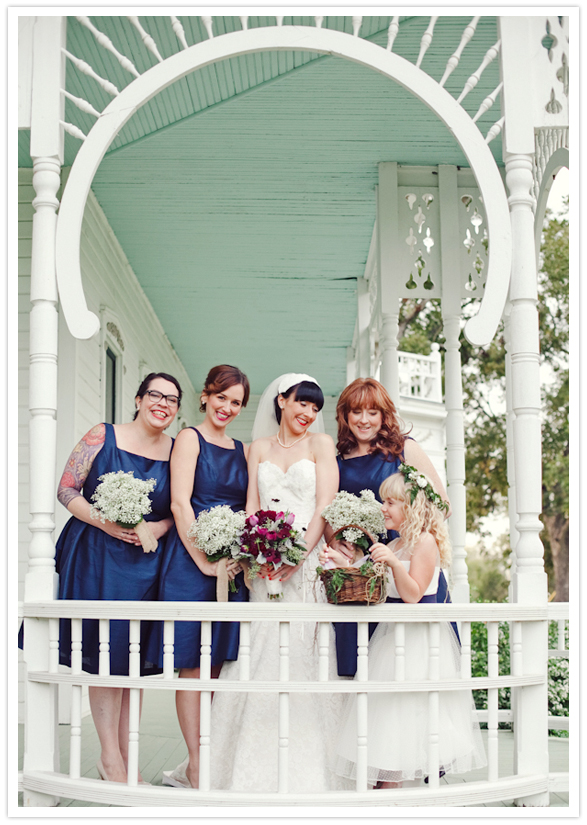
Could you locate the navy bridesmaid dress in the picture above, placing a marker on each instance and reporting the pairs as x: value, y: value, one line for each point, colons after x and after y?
x: 93, y: 565
x: 221, y: 478
x: 368, y: 472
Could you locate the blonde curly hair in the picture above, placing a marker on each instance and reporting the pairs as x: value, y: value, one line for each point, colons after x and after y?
x: 423, y: 516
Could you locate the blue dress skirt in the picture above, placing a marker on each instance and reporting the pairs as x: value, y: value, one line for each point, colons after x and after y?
x: 221, y: 478
x: 93, y: 565
x: 368, y: 472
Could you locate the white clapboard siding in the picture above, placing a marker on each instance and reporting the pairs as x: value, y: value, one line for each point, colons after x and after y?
x: 108, y: 282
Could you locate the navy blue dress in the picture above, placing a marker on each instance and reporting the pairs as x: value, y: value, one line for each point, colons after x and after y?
x: 93, y: 565
x: 221, y: 478
x: 368, y: 472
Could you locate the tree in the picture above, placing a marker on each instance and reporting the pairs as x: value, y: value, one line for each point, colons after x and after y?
x: 484, y: 402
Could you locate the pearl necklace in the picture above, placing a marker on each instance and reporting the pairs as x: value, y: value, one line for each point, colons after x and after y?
x: 287, y: 446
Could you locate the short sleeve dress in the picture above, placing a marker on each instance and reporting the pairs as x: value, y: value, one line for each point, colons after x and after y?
x: 368, y: 472
x: 221, y: 477
x: 93, y: 565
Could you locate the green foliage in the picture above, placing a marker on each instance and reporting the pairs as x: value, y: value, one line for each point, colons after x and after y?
x: 483, y: 374
x: 488, y: 572
x: 558, y: 671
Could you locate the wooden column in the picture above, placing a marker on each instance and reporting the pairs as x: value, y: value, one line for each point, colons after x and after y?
x: 41, y: 745
x: 453, y: 392
x: 363, y: 354
x: 511, y: 475
x: 387, y: 241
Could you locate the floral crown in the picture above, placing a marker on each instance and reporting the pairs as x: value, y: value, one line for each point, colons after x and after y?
x: 416, y: 481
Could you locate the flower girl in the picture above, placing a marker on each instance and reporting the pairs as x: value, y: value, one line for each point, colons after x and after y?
x: 399, y: 728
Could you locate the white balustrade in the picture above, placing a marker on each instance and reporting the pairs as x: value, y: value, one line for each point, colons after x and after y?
x: 208, y: 22
x: 488, y: 102
x: 145, y: 37
x: 81, y: 104
x: 104, y: 647
x: 492, y: 700
x: 392, y: 32
x: 283, y: 724
x: 454, y: 59
x: 168, y: 649
x: 426, y: 40
x: 495, y: 130
x: 476, y: 76
x: 529, y: 616
x: 434, y: 707
x: 105, y: 41
x: 244, y: 652
x: 205, y: 704
x: 179, y: 31
x: 86, y: 69
x: 73, y: 130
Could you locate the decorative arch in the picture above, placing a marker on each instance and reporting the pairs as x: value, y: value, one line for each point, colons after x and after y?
x: 84, y: 324
x: 557, y: 161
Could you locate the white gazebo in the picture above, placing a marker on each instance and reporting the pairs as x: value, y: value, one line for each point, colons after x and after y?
x: 283, y: 180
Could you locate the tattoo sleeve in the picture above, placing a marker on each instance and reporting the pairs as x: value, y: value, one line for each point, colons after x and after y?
x: 79, y: 464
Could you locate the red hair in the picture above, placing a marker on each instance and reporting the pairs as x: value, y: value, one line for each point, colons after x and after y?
x: 222, y: 377
x: 369, y: 394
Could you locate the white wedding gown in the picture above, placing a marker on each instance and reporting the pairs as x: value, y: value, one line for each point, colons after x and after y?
x: 244, y: 741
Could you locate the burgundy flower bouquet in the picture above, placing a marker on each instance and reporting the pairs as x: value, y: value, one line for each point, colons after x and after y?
x: 270, y: 538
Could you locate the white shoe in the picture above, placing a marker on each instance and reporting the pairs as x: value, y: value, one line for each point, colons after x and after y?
x: 177, y: 778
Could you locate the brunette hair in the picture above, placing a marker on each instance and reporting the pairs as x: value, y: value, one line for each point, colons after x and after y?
x: 222, y: 377
x: 304, y: 391
x: 367, y: 393
x: 146, y: 383
x: 420, y: 515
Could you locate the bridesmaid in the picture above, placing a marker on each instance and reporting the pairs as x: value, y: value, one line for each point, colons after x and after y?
x: 371, y: 446
x: 98, y: 560
x: 207, y: 468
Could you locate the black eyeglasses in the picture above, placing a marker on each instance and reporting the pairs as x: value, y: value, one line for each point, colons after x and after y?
x: 156, y: 396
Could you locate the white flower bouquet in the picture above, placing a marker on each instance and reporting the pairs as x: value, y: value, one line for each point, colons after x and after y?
x: 350, y: 515
x: 124, y: 499
x: 217, y: 533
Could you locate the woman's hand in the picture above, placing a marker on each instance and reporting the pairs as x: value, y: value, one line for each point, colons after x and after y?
x: 285, y: 571
x: 381, y: 552
x: 159, y: 528
x: 233, y: 568
x: 339, y: 555
x: 126, y: 534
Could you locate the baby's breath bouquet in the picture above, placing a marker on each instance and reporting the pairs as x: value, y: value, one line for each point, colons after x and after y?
x: 348, y: 512
x: 124, y: 499
x: 216, y: 532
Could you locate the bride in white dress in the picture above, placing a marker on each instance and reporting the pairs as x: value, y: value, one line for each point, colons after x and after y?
x: 292, y: 469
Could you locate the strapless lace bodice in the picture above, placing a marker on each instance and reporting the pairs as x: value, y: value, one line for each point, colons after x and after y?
x: 293, y: 491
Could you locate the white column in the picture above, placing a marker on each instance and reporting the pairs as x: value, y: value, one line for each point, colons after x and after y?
x: 41, y: 744
x: 363, y: 355
x: 387, y: 242
x: 531, y: 705
x: 511, y: 474
x: 453, y: 382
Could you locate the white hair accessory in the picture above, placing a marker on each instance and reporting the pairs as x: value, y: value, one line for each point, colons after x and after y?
x: 290, y: 379
x: 265, y: 421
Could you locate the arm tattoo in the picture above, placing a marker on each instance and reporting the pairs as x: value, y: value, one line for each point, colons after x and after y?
x: 79, y: 464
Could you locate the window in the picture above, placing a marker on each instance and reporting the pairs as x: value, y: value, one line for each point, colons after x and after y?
x: 110, y: 387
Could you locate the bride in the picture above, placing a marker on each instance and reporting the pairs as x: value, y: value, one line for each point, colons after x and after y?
x: 290, y: 468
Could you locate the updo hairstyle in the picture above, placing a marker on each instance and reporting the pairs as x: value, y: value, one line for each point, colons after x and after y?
x: 222, y: 377
x: 146, y: 383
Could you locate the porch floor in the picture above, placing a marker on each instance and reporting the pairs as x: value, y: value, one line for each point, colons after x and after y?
x: 162, y: 748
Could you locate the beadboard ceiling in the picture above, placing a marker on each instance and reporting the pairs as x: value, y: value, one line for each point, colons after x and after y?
x: 244, y: 194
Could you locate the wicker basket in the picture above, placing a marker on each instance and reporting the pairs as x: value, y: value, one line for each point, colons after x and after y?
x: 355, y: 588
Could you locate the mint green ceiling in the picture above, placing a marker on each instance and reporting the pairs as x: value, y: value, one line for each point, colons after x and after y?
x: 244, y: 195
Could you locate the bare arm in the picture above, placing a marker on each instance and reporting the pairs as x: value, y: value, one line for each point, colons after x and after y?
x: 416, y: 457
x: 253, y: 500
x: 74, y: 477
x: 411, y: 585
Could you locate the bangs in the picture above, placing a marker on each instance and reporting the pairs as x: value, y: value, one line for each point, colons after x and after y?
x: 393, y: 487
x: 310, y: 392
x: 364, y: 398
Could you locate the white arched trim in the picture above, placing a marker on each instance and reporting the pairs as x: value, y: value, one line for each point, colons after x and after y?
x: 557, y: 161
x: 83, y: 324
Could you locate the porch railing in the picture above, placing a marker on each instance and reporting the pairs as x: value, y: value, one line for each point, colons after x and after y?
x: 43, y: 617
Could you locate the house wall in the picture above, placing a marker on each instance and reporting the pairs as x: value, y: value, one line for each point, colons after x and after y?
x: 113, y: 293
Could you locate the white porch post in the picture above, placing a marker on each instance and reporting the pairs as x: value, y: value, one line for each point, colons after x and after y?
x: 387, y: 223
x: 511, y: 475
x: 363, y: 354
x: 453, y: 393
x: 530, y: 586
x: 41, y: 745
